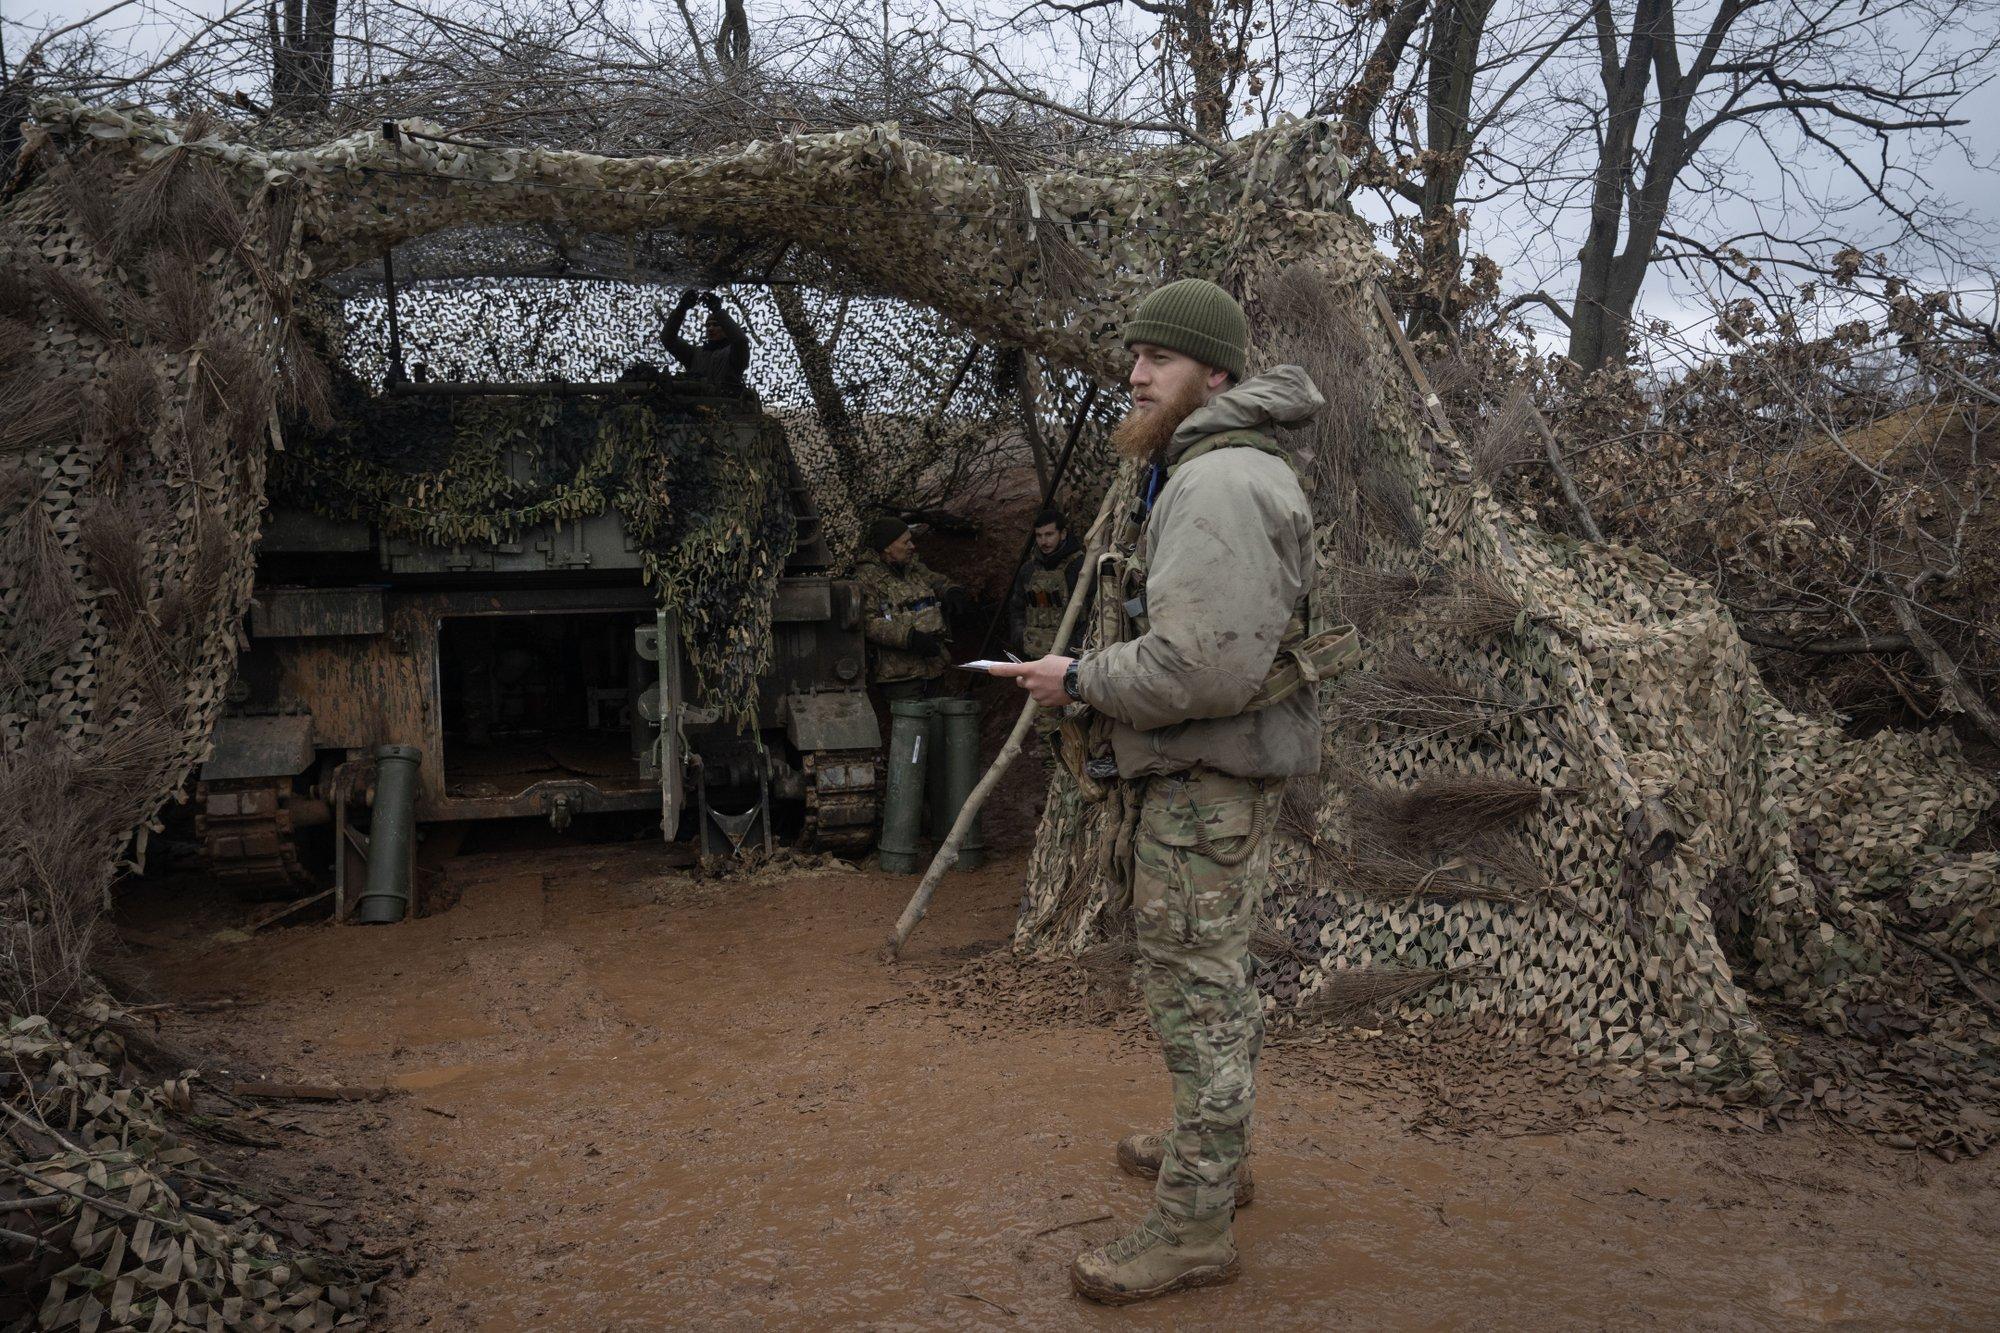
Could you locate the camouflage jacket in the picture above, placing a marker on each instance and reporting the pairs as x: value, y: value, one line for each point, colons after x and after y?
x: 1041, y: 594
x: 894, y: 601
x: 1228, y: 555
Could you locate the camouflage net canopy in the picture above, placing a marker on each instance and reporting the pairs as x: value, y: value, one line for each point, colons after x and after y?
x: 1556, y: 800
x: 888, y: 406
x: 155, y: 280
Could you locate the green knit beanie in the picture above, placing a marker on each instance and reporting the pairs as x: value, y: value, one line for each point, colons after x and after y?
x: 1195, y: 317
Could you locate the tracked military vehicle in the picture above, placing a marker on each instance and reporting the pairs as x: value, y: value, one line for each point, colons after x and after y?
x: 512, y: 645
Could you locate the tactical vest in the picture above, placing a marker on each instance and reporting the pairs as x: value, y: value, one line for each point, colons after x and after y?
x: 1047, y: 600
x: 1304, y: 658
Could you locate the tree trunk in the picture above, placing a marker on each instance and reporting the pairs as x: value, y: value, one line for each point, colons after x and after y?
x: 816, y: 365
x: 1205, y: 62
x: 1599, y: 317
x: 1457, y: 30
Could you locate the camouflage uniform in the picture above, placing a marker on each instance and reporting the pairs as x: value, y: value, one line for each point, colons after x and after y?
x: 1035, y: 610
x: 1228, y: 562
x: 896, y: 599
x: 1193, y: 915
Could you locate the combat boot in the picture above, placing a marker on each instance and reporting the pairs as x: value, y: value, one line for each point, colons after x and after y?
x: 1161, y: 1257
x: 1139, y: 1155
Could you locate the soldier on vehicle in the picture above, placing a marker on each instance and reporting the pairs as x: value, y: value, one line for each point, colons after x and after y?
x: 724, y: 355
x: 904, y: 603
x: 1039, y: 598
x: 1203, y: 743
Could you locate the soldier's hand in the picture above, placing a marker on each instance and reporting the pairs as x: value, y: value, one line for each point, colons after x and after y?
x: 1042, y: 678
x: 687, y: 299
x: 924, y: 643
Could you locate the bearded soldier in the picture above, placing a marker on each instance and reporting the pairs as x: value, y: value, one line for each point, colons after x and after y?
x: 1203, y: 743
x: 903, y: 608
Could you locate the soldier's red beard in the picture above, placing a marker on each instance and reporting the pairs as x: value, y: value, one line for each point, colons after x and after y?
x: 1143, y: 435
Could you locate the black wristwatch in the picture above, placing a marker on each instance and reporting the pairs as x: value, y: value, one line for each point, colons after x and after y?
x: 1069, y: 679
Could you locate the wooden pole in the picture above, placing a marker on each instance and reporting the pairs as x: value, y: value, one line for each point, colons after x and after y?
x: 947, y: 854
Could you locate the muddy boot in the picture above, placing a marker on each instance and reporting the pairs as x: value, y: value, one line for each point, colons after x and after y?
x: 1139, y: 1155
x: 1162, y: 1256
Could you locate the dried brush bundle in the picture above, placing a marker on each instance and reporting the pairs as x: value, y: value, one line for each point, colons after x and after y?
x: 281, y: 216
x: 131, y: 400
x: 1110, y: 959
x: 1312, y: 322
x: 1473, y: 604
x: 1351, y: 994
x: 1389, y: 508
x: 305, y: 385
x: 1405, y: 692
x: 92, y: 308
x: 1440, y: 809
x: 35, y: 410
x: 1506, y: 440
x: 47, y: 619
x: 17, y: 344
x: 1066, y: 269
x: 177, y: 309
x: 1377, y: 871
x: 18, y: 294
x: 1275, y: 945
x: 87, y: 196
x: 238, y: 385
x: 1299, y: 807
x: 112, y: 535
x: 1368, y: 594
x: 146, y: 202
x: 202, y: 211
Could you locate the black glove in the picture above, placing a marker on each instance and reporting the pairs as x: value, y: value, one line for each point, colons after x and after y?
x: 687, y: 299
x: 712, y: 301
x: 924, y: 643
x: 956, y: 603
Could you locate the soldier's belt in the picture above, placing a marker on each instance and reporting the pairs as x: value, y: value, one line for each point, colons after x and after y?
x: 1321, y: 657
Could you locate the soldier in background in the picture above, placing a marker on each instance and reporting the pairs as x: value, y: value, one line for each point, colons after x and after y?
x: 904, y: 603
x: 724, y: 355
x: 1036, y: 605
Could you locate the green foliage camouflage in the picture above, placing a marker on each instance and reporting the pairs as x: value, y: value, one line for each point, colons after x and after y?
x: 704, y: 493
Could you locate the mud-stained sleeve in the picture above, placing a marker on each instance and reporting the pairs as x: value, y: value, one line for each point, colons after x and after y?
x: 1219, y: 593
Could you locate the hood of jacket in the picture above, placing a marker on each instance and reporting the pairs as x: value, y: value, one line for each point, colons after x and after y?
x: 1062, y: 555
x: 1280, y: 396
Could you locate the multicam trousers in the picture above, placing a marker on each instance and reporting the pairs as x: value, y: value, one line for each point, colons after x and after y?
x: 1198, y: 881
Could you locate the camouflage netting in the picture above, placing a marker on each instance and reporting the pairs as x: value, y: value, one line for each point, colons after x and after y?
x: 1644, y: 838
x: 152, y: 282
x: 137, y: 1230
x: 888, y: 405
x: 1556, y: 799
x: 714, y: 525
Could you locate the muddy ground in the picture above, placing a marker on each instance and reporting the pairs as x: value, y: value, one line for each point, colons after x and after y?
x: 635, y: 1099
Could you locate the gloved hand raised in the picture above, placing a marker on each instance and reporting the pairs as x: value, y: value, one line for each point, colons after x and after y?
x: 924, y: 643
